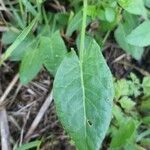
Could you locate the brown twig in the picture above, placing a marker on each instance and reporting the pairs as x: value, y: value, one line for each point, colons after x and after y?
x: 142, y: 71
x: 5, y: 138
x: 39, y: 116
x: 5, y: 143
x: 119, y: 58
x: 9, y: 88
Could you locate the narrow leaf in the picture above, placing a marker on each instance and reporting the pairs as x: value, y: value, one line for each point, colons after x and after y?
x: 29, y: 145
x: 83, y: 96
x: 16, y: 43
x: 75, y: 23
x: 29, y: 7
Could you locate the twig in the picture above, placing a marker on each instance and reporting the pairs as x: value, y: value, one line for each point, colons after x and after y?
x: 9, y: 88
x: 142, y: 71
x: 119, y: 58
x: 23, y: 128
x: 2, y: 29
x: 5, y: 140
x: 3, y: 117
x: 39, y: 116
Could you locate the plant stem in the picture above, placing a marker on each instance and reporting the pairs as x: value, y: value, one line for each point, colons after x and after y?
x: 21, y: 8
x: 105, y: 38
x: 83, y: 29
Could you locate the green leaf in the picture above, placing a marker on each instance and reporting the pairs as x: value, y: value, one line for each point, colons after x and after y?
x: 143, y: 135
x: 124, y: 135
x: 9, y: 37
x: 146, y: 86
x: 145, y: 105
x: 146, y: 120
x: 121, y: 88
x: 110, y: 14
x: 92, y: 11
x: 140, y: 36
x: 83, y: 94
x: 18, y: 41
x: 29, y: 145
x: 126, y: 103
x: 147, y: 3
x: 31, y: 65
x: 75, y: 23
x: 29, y: 7
x: 55, y: 50
x: 120, y: 36
x: 20, y: 51
x: 118, y: 114
x: 134, y: 7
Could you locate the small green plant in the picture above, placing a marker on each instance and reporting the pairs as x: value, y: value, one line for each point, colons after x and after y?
x: 83, y: 86
x: 128, y: 127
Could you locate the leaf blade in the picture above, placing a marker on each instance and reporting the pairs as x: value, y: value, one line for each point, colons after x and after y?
x: 55, y: 51
x: 120, y: 36
x: 30, y: 65
x: 140, y: 36
x: 134, y: 7
x: 75, y: 112
x: 17, y: 42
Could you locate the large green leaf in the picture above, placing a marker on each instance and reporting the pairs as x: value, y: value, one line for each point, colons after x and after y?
x: 140, y: 36
x: 55, y: 50
x: 120, y: 36
x: 134, y: 7
x: 130, y: 22
x: 83, y: 94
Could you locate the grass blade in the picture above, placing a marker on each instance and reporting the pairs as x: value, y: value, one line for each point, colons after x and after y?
x: 19, y: 39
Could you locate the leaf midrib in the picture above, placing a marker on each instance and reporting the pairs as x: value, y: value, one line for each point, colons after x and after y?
x: 83, y: 91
